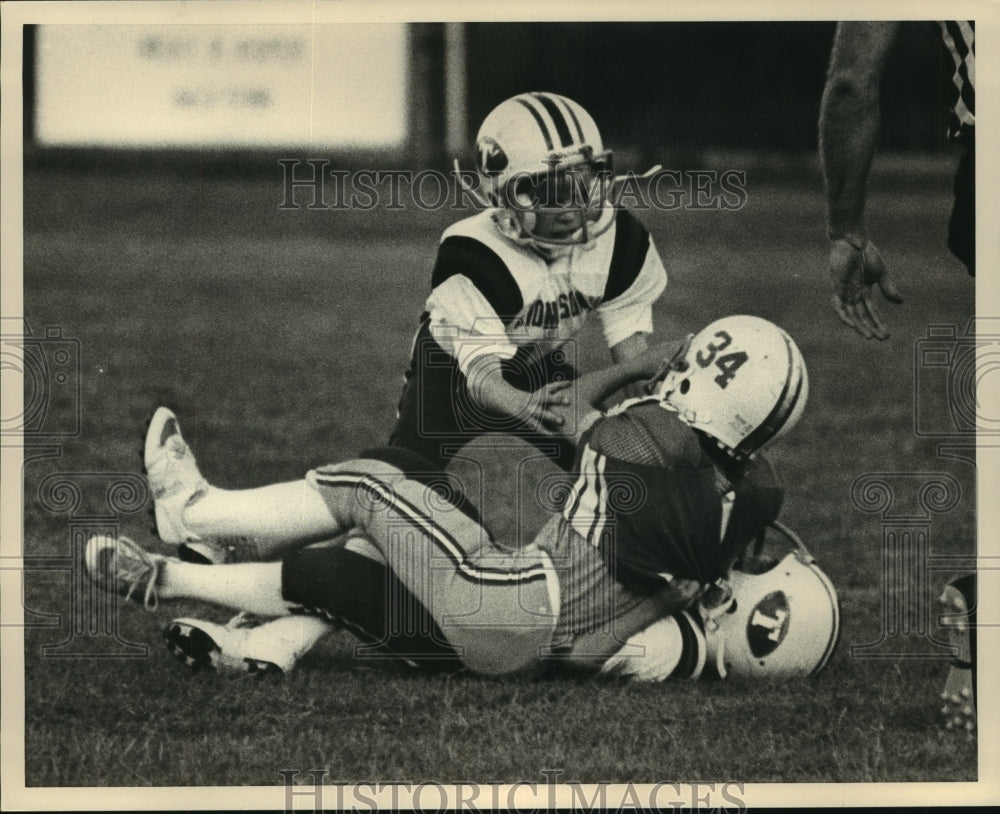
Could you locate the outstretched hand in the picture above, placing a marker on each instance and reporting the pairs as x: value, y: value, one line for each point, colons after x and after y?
x: 854, y: 270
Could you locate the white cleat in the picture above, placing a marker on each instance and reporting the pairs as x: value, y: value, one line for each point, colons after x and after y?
x: 241, y: 646
x: 118, y: 565
x: 173, y: 475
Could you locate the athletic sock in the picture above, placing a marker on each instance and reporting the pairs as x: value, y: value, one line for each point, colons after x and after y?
x: 251, y: 587
x: 274, y: 517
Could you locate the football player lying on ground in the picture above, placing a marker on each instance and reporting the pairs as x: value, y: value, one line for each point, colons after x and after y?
x: 514, y: 282
x: 670, y: 492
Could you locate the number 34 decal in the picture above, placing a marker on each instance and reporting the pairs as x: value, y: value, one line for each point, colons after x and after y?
x: 728, y: 363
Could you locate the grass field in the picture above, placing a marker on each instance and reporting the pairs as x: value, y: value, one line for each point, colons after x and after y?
x: 281, y: 337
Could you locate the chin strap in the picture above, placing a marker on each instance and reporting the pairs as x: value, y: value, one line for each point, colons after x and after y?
x: 714, y: 603
x: 674, y: 363
x: 647, y: 174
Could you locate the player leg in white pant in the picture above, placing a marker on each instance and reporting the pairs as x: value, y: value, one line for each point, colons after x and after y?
x: 498, y: 607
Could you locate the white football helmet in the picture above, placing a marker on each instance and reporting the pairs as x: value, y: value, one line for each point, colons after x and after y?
x: 740, y: 380
x: 783, y: 620
x: 543, y: 167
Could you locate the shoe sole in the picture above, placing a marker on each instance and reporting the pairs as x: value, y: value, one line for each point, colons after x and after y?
x: 197, y: 651
x: 153, y: 442
x: 222, y: 551
x: 187, y: 552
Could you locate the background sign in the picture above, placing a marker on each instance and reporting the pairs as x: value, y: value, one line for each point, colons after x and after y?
x: 227, y: 86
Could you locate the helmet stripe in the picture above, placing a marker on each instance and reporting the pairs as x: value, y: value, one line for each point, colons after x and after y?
x: 576, y: 122
x: 783, y: 408
x: 562, y: 126
x: 541, y: 123
x: 831, y: 645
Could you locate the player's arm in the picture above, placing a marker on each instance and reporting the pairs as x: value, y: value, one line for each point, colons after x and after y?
x: 848, y: 135
x: 537, y: 409
x: 465, y: 323
x: 629, y: 348
x: 636, y: 279
x: 595, y: 648
x: 585, y: 397
x: 550, y: 406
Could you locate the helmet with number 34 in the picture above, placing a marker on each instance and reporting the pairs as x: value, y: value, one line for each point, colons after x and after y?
x: 741, y: 380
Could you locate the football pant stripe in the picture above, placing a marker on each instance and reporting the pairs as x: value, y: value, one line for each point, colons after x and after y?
x: 423, y: 522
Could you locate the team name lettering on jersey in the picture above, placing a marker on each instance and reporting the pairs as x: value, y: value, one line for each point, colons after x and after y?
x: 546, y: 314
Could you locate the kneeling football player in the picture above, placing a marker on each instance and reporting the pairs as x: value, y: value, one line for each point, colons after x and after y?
x: 513, y: 284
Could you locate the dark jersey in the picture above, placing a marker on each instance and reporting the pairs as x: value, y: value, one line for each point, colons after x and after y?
x: 651, y: 500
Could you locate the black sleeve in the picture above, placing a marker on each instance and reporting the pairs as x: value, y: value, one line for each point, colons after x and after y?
x: 480, y: 264
x: 628, y: 255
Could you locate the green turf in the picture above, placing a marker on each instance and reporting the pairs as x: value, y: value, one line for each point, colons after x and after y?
x: 281, y: 338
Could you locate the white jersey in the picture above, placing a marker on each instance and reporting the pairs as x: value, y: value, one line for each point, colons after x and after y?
x: 492, y: 296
